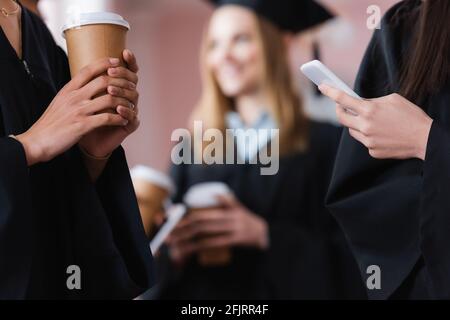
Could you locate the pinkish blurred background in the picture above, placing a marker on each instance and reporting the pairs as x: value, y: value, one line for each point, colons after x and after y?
x: 166, y: 36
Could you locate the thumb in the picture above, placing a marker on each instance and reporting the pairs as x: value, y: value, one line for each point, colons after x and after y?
x: 130, y: 59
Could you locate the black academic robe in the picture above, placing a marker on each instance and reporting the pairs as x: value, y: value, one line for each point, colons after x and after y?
x: 51, y: 215
x: 396, y: 213
x: 308, y: 256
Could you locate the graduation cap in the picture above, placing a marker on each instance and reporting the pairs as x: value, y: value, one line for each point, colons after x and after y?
x: 289, y: 15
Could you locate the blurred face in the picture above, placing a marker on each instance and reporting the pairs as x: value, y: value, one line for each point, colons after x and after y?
x: 234, y: 53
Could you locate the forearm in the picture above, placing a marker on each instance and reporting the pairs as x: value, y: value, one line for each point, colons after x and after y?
x: 435, y: 205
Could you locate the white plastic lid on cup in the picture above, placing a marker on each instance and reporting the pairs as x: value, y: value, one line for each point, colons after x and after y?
x: 204, y: 195
x: 154, y: 177
x: 89, y: 18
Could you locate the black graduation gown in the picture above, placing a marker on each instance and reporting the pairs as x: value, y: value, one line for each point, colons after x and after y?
x: 308, y: 256
x: 51, y: 215
x: 396, y: 213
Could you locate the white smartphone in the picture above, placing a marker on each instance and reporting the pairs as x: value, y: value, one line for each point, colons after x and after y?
x: 175, y: 213
x: 318, y: 73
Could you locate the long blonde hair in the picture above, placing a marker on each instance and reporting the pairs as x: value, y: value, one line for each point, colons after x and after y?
x: 285, y: 105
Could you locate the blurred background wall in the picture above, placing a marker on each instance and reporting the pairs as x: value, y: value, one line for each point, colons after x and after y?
x: 166, y: 36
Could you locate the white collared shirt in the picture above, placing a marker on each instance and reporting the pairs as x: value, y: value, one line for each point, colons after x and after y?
x: 249, y: 145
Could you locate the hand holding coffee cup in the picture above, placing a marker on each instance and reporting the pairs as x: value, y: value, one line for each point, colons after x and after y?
x: 71, y: 115
x: 153, y: 189
x: 103, y: 141
x: 222, y: 223
x: 201, y: 199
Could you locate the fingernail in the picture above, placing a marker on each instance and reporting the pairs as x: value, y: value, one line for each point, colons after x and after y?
x: 132, y: 86
x: 114, y: 61
x: 112, y: 71
x: 321, y: 87
x: 125, y: 122
x: 129, y: 52
x: 112, y: 90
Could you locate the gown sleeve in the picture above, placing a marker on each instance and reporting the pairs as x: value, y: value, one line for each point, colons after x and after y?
x: 340, y: 276
x: 115, y: 191
x: 117, y: 253
x: 15, y: 220
x: 376, y: 201
x: 435, y: 208
x: 108, y: 240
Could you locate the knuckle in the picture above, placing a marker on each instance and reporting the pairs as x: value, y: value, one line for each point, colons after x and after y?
x: 366, y: 128
x: 104, y: 81
x: 80, y: 126
x: 117, y: 91
x: 103, y: 119
x: 340, y: 96
x: 369, y: 111
x: 374, y: 153
x: 84, y: 71
x: 72, y: 97
x: 109, y: 117
x: 118, y: 72
x: 78, y: 112
x: 370, y: 143
x: 87, y: 71
x: 110, y: 100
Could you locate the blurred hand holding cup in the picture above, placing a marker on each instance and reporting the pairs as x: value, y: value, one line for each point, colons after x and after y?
x: 203, y: 197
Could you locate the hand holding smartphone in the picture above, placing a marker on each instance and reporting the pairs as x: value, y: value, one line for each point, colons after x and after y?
x: 318, y: 73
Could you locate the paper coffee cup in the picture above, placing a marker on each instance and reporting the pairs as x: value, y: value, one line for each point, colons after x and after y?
x: 200, y: 197
x: 93, y: 36
x: 204, y: 195
x: 153, y: 190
